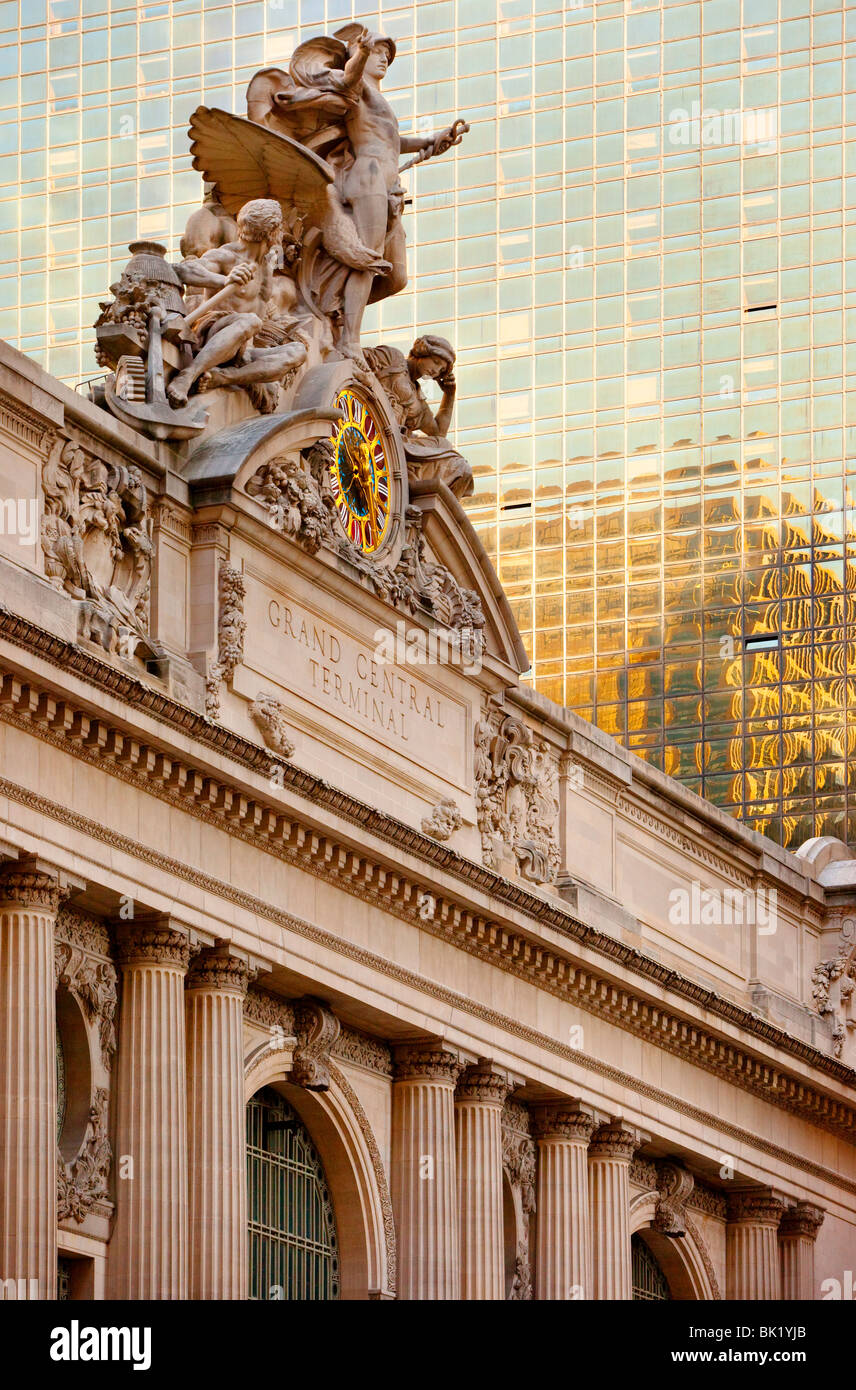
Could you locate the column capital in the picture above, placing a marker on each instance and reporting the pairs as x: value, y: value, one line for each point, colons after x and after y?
x: 426, y: 1061
x: 616, y: 1140
x: 802, y: 1219
x: 757, y: 1207
x: 152, y: 943
x: 35, y: 883
x: 485, y: 1084
x: 563, y: 1120
x: 219, y: 968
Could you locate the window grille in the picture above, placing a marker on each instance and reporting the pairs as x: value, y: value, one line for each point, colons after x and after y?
x: 292, y: 1230
x: 649, y: 1282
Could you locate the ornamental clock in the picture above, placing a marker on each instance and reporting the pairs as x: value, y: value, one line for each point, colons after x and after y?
x: 360, y: 473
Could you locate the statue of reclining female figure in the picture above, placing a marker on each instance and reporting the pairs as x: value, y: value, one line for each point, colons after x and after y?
x: 239, y: 278
x: 427, y: 450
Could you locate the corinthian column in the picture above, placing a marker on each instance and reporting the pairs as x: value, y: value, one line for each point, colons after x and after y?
x: 29, y: 897
x: 216, y: 1126
x: 610, y: 1153
x: 563, y: 1255
x: 424, y: 1196
x: 797, y: 1235
x: 751, y: 1249
x: 478, y: 1127
x: 148, y: 1252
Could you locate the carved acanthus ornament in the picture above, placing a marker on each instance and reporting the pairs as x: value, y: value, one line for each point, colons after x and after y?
x: 802, y: 1220
x: 218, y: 969
x: 28, y: 886
x: 152, y: 944
x: 269, y: 1011
x: 518, y: 1163
x: 484, y: 1084
x: 760, y: 1208
x: 267, y: 712
x: 317, y: 1029
x: 569, y: 1122
x: 298, y: 499
x: 93, y: 985
x: 231, y: 626
x: 674, y: 1185
x: 84, y: 1182
x: 616, y: 1141
x: 517, y: 797
x: 444, y: 820
x: 96, y: 535
x: 363, y: 1051
x: 426, y: 1062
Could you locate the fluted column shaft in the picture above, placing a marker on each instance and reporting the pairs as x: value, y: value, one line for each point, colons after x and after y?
x: 610, y: 1153
x: 148, y: 1251
x: 478, y: 1130
x: 424, y: 1195
x: 797, y: 1235
x: 752, y: 1267
x: 216, y: 1127
x: 29, y: 897
x: 563, y: 1255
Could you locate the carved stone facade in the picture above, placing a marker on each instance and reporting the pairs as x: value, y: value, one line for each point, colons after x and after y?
x: 444, y: 820
x: 231, y: 627
x: 518, y: 1164
x: 83, y: 1183
x: 97, y: 541
x: 455, y: 965
x: 268, y: 714
x: 517, y: 797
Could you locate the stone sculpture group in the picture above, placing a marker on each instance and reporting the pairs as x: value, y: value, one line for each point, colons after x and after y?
x: 301, y: 229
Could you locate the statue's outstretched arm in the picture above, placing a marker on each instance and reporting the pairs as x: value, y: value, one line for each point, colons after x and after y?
x: 355, y: 66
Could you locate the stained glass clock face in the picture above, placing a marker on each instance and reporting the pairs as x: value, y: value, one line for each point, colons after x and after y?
x: 359, y: 474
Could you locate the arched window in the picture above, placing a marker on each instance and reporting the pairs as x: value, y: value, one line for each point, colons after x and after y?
x: 649, y: 1282
x: 292, y: 1231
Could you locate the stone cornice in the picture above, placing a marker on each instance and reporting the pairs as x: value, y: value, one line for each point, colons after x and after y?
x: 174, y: 779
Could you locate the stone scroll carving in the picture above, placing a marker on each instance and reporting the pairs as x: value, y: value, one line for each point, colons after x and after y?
x: 517, y: 798
x: 84, y: 1182
x: 674, y: 1186
x: 317, y: 1029
x: 96, y: 535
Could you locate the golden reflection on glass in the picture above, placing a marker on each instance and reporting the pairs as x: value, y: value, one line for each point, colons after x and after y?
x: 650, y: 330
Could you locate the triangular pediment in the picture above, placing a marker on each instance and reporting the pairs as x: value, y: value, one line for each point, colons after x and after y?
x: 452, y: 541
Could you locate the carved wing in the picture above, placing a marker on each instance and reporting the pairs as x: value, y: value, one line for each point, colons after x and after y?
x: 247, y: 161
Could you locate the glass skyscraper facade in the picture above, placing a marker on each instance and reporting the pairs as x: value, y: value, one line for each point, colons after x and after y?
x: 640, y: 253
